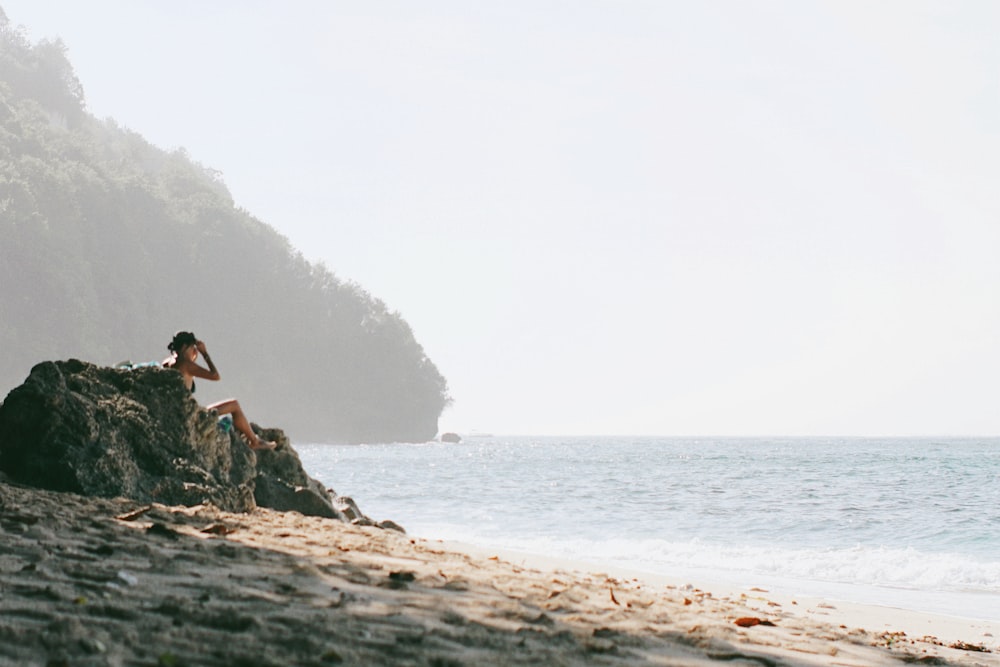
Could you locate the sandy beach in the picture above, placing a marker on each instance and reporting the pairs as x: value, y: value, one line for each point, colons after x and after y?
x: 88, y: 581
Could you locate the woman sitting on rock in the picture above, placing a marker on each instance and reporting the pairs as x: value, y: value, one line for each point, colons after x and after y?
x: 185, y: 348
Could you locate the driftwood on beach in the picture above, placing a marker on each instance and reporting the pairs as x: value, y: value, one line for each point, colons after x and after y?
x: 139, y: 434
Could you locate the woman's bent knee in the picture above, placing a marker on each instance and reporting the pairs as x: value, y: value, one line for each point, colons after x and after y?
x: 226, y: 407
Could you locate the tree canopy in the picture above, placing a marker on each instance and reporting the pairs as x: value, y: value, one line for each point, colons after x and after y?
x: 109, y: 244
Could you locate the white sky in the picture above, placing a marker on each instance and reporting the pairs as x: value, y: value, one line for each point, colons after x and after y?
x: 718, y: 218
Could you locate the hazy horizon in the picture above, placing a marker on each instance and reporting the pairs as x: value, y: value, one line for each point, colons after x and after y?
x: 645, y: 218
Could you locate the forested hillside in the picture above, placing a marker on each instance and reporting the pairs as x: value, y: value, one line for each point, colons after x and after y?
x: 109, y: 244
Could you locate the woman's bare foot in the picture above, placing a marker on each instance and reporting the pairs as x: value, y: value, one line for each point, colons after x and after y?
x: 263, y: 444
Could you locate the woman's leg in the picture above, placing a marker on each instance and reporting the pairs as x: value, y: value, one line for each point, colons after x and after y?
x: 240, y: 421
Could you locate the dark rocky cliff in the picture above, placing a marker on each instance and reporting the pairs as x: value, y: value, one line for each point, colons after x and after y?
x: 97, y: 431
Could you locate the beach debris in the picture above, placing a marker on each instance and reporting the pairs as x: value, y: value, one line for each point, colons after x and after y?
x: 890, y: 638
x: 612, y: 589
x: 91, y: 645
x: 962, y: 646
x: 134, y: 514
x: 218, y: 529
x: 751, y: 621
x: 128, y: 578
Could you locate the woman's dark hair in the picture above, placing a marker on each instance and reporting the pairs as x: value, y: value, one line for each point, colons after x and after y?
x: 181, y: 338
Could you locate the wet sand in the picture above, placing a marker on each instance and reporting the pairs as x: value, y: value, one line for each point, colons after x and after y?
x: 111, y: 582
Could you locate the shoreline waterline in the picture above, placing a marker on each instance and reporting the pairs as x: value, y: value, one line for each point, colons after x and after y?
x: 93, y: 580
x: 902, y: 523
x: 972, y: 607
x: 833, y: 609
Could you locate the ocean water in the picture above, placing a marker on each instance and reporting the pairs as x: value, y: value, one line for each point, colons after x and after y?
x: 912, y: 523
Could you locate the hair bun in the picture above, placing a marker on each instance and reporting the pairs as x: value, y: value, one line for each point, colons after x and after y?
x: 182, y: 338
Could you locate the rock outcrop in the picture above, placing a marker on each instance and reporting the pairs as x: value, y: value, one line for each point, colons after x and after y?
x: 107, y: 432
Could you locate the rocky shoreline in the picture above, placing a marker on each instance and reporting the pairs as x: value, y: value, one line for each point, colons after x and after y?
x: 139, y: 434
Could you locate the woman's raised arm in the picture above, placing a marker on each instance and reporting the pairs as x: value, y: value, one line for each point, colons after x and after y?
x: 210, y: 373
